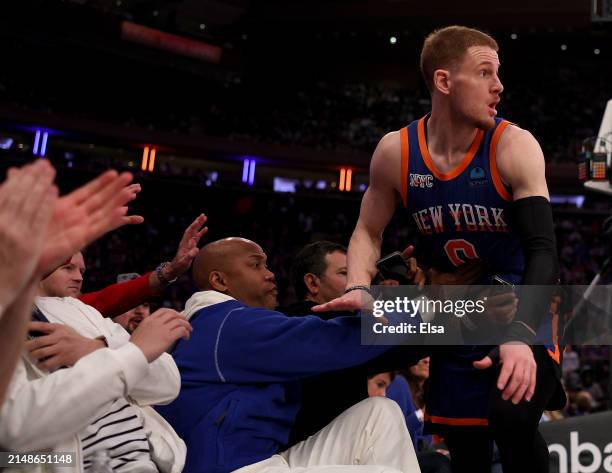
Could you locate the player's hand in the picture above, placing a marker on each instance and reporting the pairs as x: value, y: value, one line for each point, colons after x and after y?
x: 60, y: 345
x: 517, y: 378
x: 351, y: 301
x: 158, y: 332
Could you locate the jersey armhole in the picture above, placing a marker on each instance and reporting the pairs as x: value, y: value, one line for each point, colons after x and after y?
x: 405, y: 155
x: 501, y: 189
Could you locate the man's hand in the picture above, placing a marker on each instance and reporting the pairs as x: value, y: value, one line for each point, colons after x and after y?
x: 27, y: 199
x: 187, y: 249
x: 60, y: 345
x: 517, y: 378
x: 86, y: 214
x: 351, y: 301
x: 415, y: 275
x: 159, y: 331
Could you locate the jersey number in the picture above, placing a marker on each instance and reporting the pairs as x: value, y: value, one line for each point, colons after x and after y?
x: 458, y: 251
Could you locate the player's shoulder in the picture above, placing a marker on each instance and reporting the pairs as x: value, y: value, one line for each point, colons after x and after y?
x: 515, y: 139
x: 389, y: 146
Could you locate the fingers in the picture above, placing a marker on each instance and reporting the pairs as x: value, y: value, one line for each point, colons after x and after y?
x: 52, y: 363
x: 419, y: 278
x: 193, y: 228
x: 132, y: 220
x: 40, y: 342
x: 532, y: 384
x: 180, y: 329
x: 45, y: 352
x: 44, y: 327
x: 523, y: 386
x: 339, y: 304
x: 514, y: 383
x: 407, y: 253
x: 114, y: 193
x: 504, y: 375
x: 92, y: 188
x: 483, y: 364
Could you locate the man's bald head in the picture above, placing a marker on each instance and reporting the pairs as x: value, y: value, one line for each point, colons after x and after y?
x: 236, y: 267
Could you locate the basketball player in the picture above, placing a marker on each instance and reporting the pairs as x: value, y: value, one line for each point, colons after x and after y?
x: 475, y: 186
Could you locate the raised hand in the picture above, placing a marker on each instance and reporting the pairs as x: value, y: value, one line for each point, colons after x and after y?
x: 86, y: 214
x: 188, y: 248
x: 27, y: 200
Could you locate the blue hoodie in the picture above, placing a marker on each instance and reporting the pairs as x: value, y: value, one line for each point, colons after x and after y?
x: 240, y: 374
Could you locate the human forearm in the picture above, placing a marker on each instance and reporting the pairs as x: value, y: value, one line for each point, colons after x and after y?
x: 363, y: 252
x: 13, y: 329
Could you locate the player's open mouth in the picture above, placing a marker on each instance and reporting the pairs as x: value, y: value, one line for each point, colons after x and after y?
x: 492, y: 109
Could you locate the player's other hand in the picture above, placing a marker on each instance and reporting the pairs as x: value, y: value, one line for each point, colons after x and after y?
x: 517, y: 378
x: 351, y: 301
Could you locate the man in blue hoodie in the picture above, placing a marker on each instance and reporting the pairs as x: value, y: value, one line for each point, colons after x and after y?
x: 241, y: 374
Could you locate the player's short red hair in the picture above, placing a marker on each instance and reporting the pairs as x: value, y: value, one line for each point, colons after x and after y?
x: 445, y: 47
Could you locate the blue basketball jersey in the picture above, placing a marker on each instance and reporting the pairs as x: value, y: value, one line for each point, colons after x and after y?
x: 463, y: 214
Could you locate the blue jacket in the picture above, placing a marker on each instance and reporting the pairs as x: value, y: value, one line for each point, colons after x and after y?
x: 399, y: 391
x: 240, y: 374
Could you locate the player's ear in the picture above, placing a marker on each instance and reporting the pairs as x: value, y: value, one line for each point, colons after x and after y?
x: 441, y: 81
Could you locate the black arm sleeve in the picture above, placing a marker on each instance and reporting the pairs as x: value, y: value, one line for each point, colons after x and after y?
x: 532, y: 217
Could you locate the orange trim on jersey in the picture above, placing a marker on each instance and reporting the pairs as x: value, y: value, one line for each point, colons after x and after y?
x: 405, y: 156
x: 555, y: 355
x: 465, y: 162
x: 465, y: 421
x: 497, y: 180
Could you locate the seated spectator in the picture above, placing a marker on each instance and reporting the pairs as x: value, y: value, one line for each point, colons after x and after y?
x: 117, y: 299
x: 583, y: 404
x: 85, y: 384
x: 319, y: 275
x: 131, y: 319
x: 240, y: 375
x: 379, y: 383
x: 38, y: 230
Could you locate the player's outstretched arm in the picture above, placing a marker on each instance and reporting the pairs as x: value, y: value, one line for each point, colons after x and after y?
x: 377, y: 208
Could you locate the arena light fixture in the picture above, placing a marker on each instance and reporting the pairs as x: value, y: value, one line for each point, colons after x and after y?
x: 152, y: 159
x: 36, y: 143
x: 346, y: 179
x: 393, y: 40
x: 145, y: 158
x: 43, y: 146
x: 248, y: 171
x: 252, y: 173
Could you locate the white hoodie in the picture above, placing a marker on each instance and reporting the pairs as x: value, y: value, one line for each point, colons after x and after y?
x: 46, y: 411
